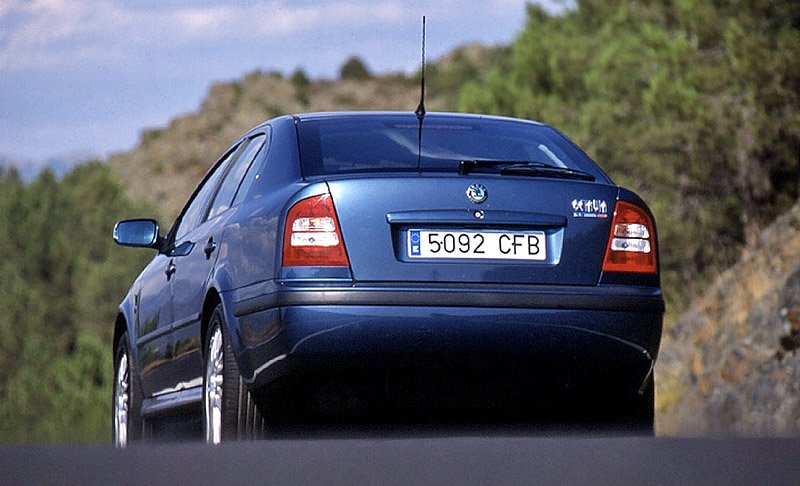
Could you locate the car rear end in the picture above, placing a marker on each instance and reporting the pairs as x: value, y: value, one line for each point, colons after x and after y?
x: 428, y: 275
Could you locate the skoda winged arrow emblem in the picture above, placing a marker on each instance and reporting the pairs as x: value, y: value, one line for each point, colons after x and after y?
x: 477, y: 193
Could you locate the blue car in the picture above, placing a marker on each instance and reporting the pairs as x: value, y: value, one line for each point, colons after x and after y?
x: 389, y: 268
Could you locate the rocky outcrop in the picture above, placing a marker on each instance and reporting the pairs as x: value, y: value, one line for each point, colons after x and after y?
x: 730, y: 365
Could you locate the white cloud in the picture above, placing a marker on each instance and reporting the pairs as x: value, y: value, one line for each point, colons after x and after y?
x: 338, y: 14
x: 7, y: 7
x: 201, y: 20
x: 63, y: 32
x: 278, y: 18
x: 92, y: 73
x: 506, y: 4
x: 54, y: 32
x: 44, y: 34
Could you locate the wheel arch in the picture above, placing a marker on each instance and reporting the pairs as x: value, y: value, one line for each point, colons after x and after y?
x: 211, y: 301
x: 120, y: 327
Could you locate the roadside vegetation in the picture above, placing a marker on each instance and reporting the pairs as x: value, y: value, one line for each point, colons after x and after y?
x: 62, y: 278
x: 693, y: 104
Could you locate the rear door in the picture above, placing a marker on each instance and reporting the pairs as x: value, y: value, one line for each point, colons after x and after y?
x: 194, y: 269
x: 171, y: 352
x: 153, y: 318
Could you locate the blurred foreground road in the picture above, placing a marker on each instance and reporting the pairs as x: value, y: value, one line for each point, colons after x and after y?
x: 470, y: 460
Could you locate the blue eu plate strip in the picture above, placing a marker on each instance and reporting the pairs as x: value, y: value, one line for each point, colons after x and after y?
x: 413, y: 243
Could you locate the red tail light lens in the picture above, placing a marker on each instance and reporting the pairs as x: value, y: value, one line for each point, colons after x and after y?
x: 631, y: 244
x: 312, y: 236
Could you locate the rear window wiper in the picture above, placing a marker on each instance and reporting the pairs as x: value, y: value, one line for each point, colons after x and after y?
x: 520, y: 167
x: 466, y: 166
x: 546, y: 171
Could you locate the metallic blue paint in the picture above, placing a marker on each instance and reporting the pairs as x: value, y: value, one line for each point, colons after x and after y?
x: 363, y: 205
x: 315, y: 338
x: 387, y: 310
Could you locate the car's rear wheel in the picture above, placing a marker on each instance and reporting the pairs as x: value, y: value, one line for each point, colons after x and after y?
x: 229, y: 412
x: 127, y: 399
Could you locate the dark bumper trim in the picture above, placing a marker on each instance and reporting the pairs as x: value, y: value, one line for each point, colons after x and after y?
x: 600, y: 298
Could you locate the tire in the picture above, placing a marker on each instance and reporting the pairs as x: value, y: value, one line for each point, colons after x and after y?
x: 229, y: 412
x: 126, y: 399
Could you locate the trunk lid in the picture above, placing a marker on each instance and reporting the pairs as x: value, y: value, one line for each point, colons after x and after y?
x: 380, y: 216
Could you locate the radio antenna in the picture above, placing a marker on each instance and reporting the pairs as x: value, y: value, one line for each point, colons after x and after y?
x: 420, y: 111
x: 421, y: 107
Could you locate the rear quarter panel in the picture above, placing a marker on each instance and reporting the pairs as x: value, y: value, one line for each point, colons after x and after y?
x: 250, y: 250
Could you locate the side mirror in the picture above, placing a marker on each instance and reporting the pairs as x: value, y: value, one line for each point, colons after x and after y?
x: 141, y: 233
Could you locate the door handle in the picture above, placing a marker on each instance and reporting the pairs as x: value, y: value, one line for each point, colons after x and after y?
x: 210, y: 247
x: 170, y: 269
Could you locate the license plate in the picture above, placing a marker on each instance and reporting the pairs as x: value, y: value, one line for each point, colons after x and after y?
x: 488, y: 245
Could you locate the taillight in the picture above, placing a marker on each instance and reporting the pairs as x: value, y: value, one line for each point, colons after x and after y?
x: 312, y: 236
x: 631, y: 244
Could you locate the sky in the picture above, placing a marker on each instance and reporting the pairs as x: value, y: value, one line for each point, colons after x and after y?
x: 82, y: 78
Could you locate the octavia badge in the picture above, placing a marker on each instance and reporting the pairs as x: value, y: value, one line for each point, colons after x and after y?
x: 476, y: 193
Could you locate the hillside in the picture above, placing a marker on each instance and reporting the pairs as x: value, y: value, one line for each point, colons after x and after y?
x: 169, y: 162
x: 729, y: 365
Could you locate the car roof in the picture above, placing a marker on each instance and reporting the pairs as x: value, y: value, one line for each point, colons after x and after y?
x: 362, y: 115
x: 377, y: 114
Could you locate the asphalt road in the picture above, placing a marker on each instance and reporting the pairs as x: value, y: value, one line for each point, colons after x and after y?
x: 453, y: 460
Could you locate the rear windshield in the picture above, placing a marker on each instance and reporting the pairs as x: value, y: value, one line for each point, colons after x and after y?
x: 340, y: 145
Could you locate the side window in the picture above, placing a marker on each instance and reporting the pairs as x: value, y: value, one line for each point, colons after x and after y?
x: 196, y: 208
x: 224, y: 198
x: 252, y: 173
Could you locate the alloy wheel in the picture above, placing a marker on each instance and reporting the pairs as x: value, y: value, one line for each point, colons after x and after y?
x: 212, y: 393
x: 121, y: 401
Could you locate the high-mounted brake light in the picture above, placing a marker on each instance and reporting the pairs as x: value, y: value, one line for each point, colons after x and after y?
x: 312, y: 236
x: 631, y: 244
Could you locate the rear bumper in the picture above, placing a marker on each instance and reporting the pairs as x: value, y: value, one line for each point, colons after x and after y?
x: 271, y: 295
x: 598, y: 339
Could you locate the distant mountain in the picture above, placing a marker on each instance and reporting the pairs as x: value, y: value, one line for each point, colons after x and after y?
x: 730, y: 364
x: 29, y: 168
x: 169, y: 162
